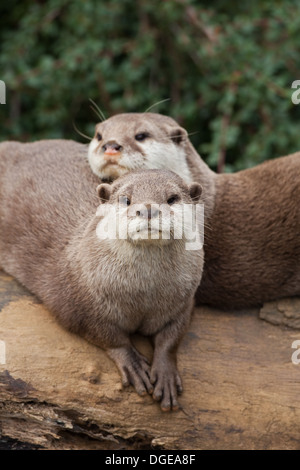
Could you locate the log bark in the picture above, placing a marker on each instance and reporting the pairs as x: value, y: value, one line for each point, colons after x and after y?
x: 57, y: 391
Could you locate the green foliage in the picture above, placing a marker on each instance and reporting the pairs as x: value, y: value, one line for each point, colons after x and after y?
x: 226, y: 68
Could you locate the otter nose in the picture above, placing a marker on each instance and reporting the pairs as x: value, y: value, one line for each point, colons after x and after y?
x: 148, y: 212
x: 112, y: 147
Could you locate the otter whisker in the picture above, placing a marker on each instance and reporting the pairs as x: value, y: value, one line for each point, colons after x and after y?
x: 101, y: 114
x: 81, y: 133
x: 96, y: 112
x: 203, y: 198
x: 183, y: 137
x: 192, y: 133
x: 156, y: 104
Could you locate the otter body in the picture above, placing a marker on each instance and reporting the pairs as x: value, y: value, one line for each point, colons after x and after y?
x: 252, y: 244
x: 252, y: 217
x: 252, y: 234
x: 102, y: 289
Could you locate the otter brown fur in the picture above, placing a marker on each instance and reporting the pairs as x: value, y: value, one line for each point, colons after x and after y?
x: 131, y: 141
x: 252, y: 234
x: 252, y: 217
x: 102, y: 289
x: 252, y: 244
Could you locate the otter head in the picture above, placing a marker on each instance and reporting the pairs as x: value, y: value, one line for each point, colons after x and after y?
x: 146, y: 206
x: 132, y: 141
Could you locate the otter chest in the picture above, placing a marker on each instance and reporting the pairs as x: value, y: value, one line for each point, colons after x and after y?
x: 147, y: 293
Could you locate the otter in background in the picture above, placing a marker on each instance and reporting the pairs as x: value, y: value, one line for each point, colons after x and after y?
x: 252, y: 217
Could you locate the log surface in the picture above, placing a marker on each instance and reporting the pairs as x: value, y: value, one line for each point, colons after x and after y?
x: 57, y: 391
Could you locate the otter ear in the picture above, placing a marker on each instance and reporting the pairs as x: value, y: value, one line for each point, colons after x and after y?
x: 195, y: 190
x: 178, y: 134
x: 104, y: 192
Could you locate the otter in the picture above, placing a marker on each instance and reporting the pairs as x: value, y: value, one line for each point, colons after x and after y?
x: 252, y: 245
x: 53, y: 240
x: 252, y: 217
x: 131, y: 141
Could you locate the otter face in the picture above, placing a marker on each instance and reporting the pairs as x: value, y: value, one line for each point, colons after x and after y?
x: 148, y: 205
x: 128, y: 142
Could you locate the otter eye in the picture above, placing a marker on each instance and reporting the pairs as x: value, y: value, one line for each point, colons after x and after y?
x: 125, y: 201
x: 172, y: 200
x: 142, y: 136
x: 99, y: 136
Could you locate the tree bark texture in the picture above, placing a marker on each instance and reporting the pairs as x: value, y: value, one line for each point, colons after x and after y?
x: 241, y: 387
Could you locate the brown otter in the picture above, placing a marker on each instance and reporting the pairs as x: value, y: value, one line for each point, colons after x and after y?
x: 252, y: 245
x: 252, y: 236
x: 131, y: 141
x: 103, y: 288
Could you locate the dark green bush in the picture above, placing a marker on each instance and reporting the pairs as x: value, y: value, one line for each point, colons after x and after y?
x: 226, y: 68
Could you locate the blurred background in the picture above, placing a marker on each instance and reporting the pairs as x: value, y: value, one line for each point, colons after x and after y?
x: 225, y: 69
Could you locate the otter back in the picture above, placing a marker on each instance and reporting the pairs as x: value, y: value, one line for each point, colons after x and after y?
x: 252, y: 244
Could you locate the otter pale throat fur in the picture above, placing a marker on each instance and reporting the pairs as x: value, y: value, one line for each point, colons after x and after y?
x: 252, y: 217
x: 102, y: 289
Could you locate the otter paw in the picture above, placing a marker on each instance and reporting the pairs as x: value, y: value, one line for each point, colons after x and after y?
x: 134, y: 369
x: 167, y: 386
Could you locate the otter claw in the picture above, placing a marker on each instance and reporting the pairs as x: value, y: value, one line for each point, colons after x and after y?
x: 134, y: 369
x: 167, y: 386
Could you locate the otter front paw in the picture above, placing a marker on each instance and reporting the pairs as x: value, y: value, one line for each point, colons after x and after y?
x: 134, y: 369
x: 167, y: 385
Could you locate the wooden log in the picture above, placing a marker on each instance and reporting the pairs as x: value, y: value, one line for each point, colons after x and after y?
x: 241, y: 387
